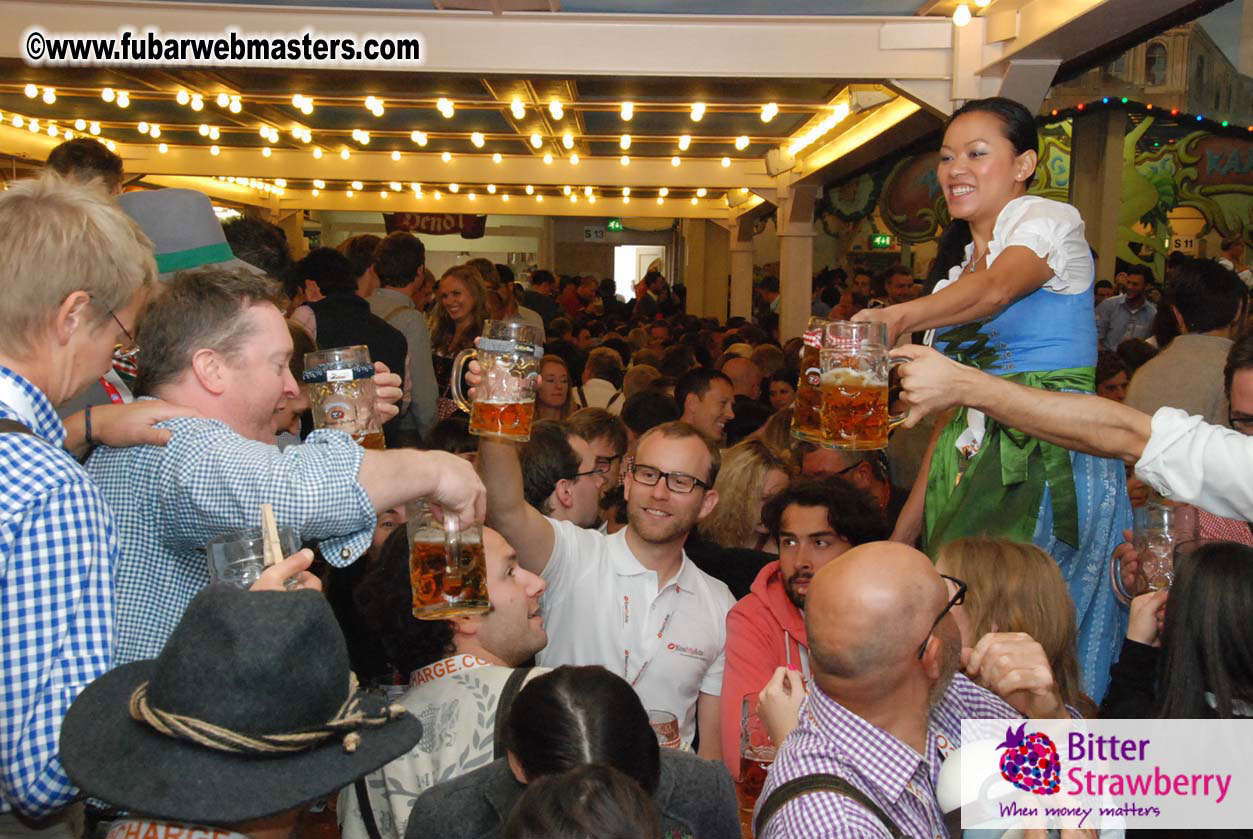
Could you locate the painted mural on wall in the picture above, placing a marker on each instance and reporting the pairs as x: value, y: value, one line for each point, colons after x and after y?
x: 1211, y: 173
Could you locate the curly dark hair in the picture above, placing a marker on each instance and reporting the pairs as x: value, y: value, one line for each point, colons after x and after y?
x: 384, y: 600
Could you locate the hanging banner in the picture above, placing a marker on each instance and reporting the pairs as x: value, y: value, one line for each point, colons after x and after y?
x: 436, y: 224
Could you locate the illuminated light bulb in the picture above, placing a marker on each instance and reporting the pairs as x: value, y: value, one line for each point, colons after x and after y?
x: 663, y: 192
x: 264, y: 131
x: 536, y: 141
x: 567, y: 140
x: 203, y: 130
x: 445, y: 107
x: 530, y: 190
x: 143, y: 127
x: 94, y: 128
x: 701, y: 193
x: 214, y: 150
x: 357, y: 185
x: 106, y: 94
x: 348, y: 193
x: 743, y: 190
x: 694, y: 200
x: 539, y: 199
x: 236, y: 105
x: 265, y: 151
x: 472, y: 196
x: 315, y: 193
x: 80, y: 124
x: 280, y: 182
x: 306, y: 107
x: 685, y: 140
x: 306, y: 136
x: 31, y: 91
x: 675, y: 161
x: 382, y: 193
x: 574, y: 199
x: 395, y: 155
x: 982, y: 4
x: 591, y: 199
x: 197, y: 102
x: 587, y: 190
x: 961, y: 16
x: 223, y: 100
x: 296, y: 100
x: 214, y: 133
x: 491, y: 189
x: 726, y: 161
x: 110, y: 145
x: 446, y: 157
x: 418, y: 137
x: 548, y: 159
x: 698, y: 111
x: 517, y: 108
x: 626, y: 190
x: 18, y: 122
x: 574, y: 159
x: 741, y: 142
x: 344, y: 154
x: 369, y: 103
x: 628, y: 111
x: 50, y: 95
x: 53, y: 131
x: 317, y: 153
x: 123, y: 99
x: 154, y: 131
x: 454, y: 188
x: 624, y: 142
x: 69, y: 135
x: 33, y: 126
x: 555, y: 108
x: 163, y: 148
x: 477, y: 139
x: 319, y: 183
x: 625, y: 160
x: 182, y: 97
x: 496, y: 158
x: 365, y: 138
x: 660, y: 200
x: 769, y: 111
x: 566, y: 190
x: 626, y: 199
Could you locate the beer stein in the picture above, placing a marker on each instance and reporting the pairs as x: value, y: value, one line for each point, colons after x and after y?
x: 807, y: 406
x: 447, y: 567
x: 757, y: 752
x: 855, y: 364
x: 509, y: 354
x: 341, y: 393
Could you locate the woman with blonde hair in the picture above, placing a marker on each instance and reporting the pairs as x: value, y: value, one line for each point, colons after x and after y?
x: 1017, y: 587
x: 455, y: 321
x: 554, y: 397
x: 751, y: 473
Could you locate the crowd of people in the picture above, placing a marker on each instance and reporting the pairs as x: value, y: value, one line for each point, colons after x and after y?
x: 661, y: 547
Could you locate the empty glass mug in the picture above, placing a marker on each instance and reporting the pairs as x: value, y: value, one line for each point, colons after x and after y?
x: 509, y: 354
x: 340, y: 383
x: 239, y: 558
x: 855, y: 365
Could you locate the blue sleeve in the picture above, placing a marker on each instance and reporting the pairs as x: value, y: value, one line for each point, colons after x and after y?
x: 57, y: 556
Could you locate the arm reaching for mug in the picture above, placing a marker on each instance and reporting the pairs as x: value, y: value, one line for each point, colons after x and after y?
x: 1085, y: 423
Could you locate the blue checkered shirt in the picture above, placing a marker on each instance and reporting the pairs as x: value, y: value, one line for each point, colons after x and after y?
x: 832, y: 739
x: 208, y: 481
x: 58, y: 551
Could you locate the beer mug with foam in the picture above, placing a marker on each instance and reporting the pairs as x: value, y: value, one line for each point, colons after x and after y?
x: 855, y: 365
x: 509, y: 353
x: 447, y: 566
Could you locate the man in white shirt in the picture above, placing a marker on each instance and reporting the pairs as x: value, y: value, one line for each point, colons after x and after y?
x: 1180, y: 456
x: 559, y: 474
x: 602, y: 380
x: 631, y: 602
x: 459, y: 670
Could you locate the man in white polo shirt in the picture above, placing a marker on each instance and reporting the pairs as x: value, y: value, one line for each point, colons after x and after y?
x: 631, y: 602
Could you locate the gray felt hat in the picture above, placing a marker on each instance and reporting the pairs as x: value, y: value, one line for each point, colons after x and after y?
x: 183, y: 228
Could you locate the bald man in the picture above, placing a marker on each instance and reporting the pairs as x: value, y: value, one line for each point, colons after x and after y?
x: 886, y: 700
x: 745, y: 377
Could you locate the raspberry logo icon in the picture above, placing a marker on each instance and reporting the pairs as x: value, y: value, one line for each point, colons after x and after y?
x: 1030, y: 762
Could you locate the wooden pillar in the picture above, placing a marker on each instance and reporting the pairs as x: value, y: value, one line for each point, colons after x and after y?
x: 742, y: 268
x: 1096, y: 161
x: 795, y: 224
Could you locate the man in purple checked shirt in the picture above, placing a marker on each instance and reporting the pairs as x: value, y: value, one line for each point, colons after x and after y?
x: 886, y: 700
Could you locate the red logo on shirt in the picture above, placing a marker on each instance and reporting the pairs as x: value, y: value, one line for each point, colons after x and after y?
x: 690, y: 652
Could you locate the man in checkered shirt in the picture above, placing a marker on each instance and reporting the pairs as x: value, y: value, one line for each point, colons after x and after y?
x: 74, y: 272
x: 887, y: 701
x: 215, y: 343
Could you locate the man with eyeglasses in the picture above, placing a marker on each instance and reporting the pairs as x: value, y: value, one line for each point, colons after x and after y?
x: 560, y: 475
x: 631, y: 602
x: 886, y: 698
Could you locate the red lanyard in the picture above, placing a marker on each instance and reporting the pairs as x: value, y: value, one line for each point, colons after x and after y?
x: 626, y: 653
x: 115, y: 395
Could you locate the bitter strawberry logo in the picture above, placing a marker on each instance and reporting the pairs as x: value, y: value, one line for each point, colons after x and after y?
x: 1030, y: 762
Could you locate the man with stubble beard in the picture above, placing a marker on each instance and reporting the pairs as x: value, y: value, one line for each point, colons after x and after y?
x: 632, y: 601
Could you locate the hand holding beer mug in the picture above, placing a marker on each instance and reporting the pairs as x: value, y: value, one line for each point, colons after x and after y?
x: 1159, y: 528
x: 509, y: 353
x: 854, y: 361
x: 756, y: 755
x: 447, y: 567
x: 807, y: 407
x: 341, y: 393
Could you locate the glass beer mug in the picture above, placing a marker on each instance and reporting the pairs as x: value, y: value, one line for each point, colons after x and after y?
x: 855, y: 364
x: 807, y: 405
x: 447, y: 567
x: 341, y: 393
x: 504, y: 404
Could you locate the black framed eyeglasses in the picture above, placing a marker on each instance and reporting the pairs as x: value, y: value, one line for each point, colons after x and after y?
x: 956, y: 600
x: 1240, y: 422
x: 595, y: 471
x: 130, y: 347
x: 604, y: 464
x: 679, y: 482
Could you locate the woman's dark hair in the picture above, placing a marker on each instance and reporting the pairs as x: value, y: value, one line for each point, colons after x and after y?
x: 586, y: 802
x: 1207, y: 641
x: 1239, y: 357
x: 1022, y: 133
x: 573, y: 716
x: 1207, y: 295
x: 787, y: 375
x: 1136, y: 351
x: 329, y: 269
x: 385, y: 602
x: 452, y: 435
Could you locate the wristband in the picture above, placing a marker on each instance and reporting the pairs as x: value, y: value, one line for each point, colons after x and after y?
x: 87, y: 422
